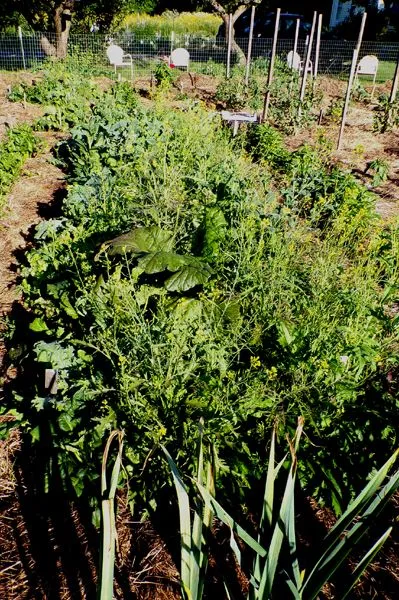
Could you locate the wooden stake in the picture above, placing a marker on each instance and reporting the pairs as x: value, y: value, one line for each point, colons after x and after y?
x: 395, y: 83
x: 361, y: 32
x: 22, y: 47
x: 307, y: 60
x: 271, y: 66
x: 318, y: 39
x: 298, y: 23
x: 350, y: 81
x: 251, y: 35
x: 294, y: 52
x: 229, y: 44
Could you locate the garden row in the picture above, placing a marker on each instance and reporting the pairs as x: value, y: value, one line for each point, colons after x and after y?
x: 192, y: 277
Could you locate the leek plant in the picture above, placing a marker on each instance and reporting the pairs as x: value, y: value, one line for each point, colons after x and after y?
x: 276, y: 533
x: 108, y: 490
x: 194, y: 558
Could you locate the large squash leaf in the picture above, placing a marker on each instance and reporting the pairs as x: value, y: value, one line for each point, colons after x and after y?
x: 155, y: 262
x: 141, y: 241
x: 189, y: 276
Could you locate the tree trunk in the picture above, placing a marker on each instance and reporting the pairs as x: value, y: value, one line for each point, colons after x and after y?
x: 234, y: 46
x: 62, y: 22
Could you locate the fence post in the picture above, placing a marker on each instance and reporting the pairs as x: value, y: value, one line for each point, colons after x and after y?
x: 350, y: 81
x: 22, y: 47
x: 318, y: 38
x: 172, y: 41
x: 395, y: 83
x: 307, y: 60
x: 271, y: 66
x: 229, y: 44
x: 251, y: 35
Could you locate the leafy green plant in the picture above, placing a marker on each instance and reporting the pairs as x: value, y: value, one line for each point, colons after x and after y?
x: 235, y: 95
x: 380, y: 171
x: 164, y: 75
x: 386, y: 114
x: 20, y: 143
x: 334, y: 111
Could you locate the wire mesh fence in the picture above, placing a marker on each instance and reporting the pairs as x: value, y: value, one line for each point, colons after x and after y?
x: 208, y: 56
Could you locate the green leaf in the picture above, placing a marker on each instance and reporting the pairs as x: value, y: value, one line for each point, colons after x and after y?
x: 67, y: 306
x: 54, y: 354
x: 156, y: 262
x: 38, y: 325
x: 221, y: 514
x: 140, y: 241
x: 214, y: 231
x: 188, y: 277
x: 185, y: 522
x: 366, y: 560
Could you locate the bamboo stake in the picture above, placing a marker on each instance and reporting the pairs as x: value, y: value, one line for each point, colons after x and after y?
x: 229, y: 44
x: 271, y: 67
x: 318, y: 39
x: 251, y: 35
x: 307, y: 60
x: 350, y: 81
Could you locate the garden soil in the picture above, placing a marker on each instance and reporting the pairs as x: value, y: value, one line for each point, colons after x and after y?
x: 50, y: 550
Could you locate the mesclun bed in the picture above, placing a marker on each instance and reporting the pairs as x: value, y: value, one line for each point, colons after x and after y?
x: 20, y: 143
x: 194, y: 276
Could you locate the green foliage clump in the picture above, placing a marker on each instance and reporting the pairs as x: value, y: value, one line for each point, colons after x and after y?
x: 187, y: 278
x: 386, y: 114
x: 164, y: 75
x: 20, y: 143
x: 235, y: 95
x: 69, y: 98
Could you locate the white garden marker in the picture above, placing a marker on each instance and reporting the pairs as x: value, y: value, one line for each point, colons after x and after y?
x: 271, y: 66
x: 350, y: 81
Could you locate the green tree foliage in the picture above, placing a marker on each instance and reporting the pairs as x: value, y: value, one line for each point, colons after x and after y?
x: 57, y: 16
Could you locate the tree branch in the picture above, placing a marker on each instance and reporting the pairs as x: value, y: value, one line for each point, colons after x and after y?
x: 218, y: 8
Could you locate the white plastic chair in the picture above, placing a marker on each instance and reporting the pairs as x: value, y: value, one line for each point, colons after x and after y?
x: 294, y: 62
x: 180, y: 57
x: 368, y: 65
x: 118, y: 58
